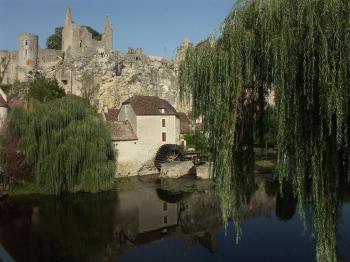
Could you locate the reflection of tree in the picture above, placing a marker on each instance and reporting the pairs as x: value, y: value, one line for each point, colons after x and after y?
x: 325, y: 190
x: 75, y: 227
x: 286, y: 202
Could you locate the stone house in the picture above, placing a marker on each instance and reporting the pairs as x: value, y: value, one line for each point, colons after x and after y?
x: 185, y: 128
x: 143, y: 125
x: 3, y: 108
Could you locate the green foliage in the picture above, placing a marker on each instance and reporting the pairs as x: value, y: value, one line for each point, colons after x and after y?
x: 95, y: 35
x: 301, y: 50
x: 44, y: 89
x: 6, y: 88
x: 198, y: 141
x: 68, y: 145
x: 54, y: 41
x: 27, y: 188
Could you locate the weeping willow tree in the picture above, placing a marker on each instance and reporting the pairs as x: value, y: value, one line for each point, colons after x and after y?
x: 300, y: 50
x: 67, y: 144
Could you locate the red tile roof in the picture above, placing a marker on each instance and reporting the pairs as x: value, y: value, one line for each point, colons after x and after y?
x: 185, y: 123
x: 3, y: 102
x: 122, y: 131
x: 150, y: 105
x: 112, y: 115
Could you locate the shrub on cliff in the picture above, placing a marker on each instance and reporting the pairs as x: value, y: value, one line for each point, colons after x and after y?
x: 44, y: 89
x: 67, y: 144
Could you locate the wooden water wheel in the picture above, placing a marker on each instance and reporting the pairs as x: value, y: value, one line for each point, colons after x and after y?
x: 168, y: 153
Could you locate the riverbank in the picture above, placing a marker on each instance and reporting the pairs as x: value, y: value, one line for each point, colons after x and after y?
x: 262, y: 166
x: 26, y: 188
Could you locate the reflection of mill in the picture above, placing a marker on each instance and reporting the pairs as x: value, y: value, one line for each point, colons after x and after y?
x: 143, y: 217
x: 143, y: 211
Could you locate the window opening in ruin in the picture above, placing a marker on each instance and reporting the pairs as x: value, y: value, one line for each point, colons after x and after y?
x: 80, y: 44
x: 26, y: 42
x: 65, y: 82
x: 25, y: 52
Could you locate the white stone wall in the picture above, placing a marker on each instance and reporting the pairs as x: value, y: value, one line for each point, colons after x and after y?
x: 3, y: 116
x: 127, y: 113
x: 127, y: 157
x: 177, y: 131
x: 132, y: 155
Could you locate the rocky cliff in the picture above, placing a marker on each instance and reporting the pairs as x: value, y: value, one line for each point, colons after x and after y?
x: 111, y: 78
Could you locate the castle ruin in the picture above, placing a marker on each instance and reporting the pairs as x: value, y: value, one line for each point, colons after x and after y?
x: 76, y: 41
x: 88, y: 64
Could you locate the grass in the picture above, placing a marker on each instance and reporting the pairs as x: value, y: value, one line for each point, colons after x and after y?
x: 185, y: 184
x: 27, y: 188
x: 265, y: 166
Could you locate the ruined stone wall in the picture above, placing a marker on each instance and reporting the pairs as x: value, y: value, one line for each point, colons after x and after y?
x: 8, y: 65
x: 78, y: 41
x: 48, y: 58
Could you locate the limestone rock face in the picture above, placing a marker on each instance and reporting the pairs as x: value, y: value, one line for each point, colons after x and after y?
x: 176, y: 169
x: 204, y: 171
x: 115, y: 76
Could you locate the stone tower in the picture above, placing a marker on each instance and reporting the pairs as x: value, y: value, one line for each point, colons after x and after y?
x: 77, y: 40
x: 28, y: 51
x: 108, y: 34
x: 67, y: 33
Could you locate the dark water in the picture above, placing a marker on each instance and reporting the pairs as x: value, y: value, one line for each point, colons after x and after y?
x: 145, y: 223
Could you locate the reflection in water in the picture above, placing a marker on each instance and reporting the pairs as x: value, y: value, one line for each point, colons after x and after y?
x: 103, y: 227
x: 325, y: 191
x: 67, y: 228
x: 111, y: 225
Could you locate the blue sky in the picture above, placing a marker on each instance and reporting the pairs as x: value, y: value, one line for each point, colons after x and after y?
x: 158, y: 26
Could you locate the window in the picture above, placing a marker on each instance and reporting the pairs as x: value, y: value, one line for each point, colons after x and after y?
x: 26, y: 42
x: 162, y: 110
x: 163, y: 136
x: 163, y: 122
x: 165, y: 206
x: 165, y: 220
x: 80, y: 44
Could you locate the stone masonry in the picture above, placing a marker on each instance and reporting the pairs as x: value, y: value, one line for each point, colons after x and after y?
x: 113, y: 76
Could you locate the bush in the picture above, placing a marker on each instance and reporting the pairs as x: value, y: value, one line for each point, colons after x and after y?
x: 12, y: 161
x: 198, y: 141
x: 44, y: 89
x: 67, y: 144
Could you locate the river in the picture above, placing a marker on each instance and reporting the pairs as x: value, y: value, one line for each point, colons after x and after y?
x: 141, y: 220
